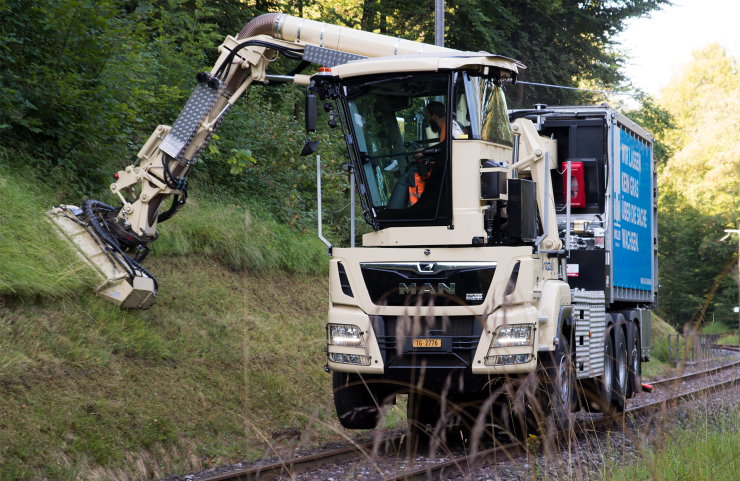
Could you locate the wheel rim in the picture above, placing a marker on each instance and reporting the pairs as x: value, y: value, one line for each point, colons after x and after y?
x: 622, y: 365
x: 635, y: 364
x: 607, y: 369
x: 564, y: 374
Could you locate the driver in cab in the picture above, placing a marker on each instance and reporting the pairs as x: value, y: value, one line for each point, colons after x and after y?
x: 436, y: 117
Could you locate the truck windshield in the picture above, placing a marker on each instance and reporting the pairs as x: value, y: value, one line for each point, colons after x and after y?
x: 400, y: 125
x: 487, y: 111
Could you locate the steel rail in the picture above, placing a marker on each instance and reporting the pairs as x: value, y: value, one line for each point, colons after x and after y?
x: 693, y: 375
x: 452, y: 467
x: 449, y: 469
x: 303, y: 463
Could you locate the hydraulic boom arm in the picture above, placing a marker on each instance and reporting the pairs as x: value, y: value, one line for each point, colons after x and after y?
x: 115, y: 239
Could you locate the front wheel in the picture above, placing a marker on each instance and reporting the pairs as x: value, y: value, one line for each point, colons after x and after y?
x: 560, y: 383
x: 355, y: 404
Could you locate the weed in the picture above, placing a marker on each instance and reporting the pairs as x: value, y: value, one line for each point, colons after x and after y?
x: 35, y: 261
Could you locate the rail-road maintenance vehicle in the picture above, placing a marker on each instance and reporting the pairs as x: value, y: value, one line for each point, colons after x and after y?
x: 503, y: 243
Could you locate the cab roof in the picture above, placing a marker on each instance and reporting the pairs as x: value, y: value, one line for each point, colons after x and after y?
x: 431, y: 62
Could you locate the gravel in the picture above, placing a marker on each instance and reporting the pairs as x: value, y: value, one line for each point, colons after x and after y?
x: 585, y: 457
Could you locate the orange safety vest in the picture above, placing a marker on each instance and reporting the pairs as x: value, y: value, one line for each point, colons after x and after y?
x: 421, y: 180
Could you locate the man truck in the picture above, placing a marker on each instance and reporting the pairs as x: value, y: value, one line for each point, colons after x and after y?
x: 504, y: 243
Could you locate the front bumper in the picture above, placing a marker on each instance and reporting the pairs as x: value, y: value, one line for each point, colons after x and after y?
x: 464, y: 342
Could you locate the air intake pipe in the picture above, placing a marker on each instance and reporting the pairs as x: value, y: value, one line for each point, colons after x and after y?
x: 302, y: 31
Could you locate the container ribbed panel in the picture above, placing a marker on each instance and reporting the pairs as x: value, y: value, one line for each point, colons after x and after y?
x: 589, y: 316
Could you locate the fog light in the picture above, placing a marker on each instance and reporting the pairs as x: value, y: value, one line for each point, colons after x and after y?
x: 514, y: 335
x: 508, y: 359
x: 349, y: 359
x: 345, y: 335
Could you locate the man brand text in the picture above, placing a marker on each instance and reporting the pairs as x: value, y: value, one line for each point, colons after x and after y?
x: 427, y: 289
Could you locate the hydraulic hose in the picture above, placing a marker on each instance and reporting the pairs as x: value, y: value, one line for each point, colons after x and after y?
x: 88, y: 209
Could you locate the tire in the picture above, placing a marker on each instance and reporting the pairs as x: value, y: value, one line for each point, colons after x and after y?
x: 604, y: 383
x: 356, y: 407
x: 634, y: 384
x: 560, y: 384
x: 423, y: 409
x: 619, y: 366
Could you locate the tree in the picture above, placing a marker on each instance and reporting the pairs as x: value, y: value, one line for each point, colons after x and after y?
x: 704, y: 97
x: 699, y: 183
x: 564, y: 42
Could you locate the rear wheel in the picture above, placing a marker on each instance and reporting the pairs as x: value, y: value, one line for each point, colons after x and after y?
x: 619, y: 365
x: 356, y: 407
x: 634, y: 384
x: 604, y: 384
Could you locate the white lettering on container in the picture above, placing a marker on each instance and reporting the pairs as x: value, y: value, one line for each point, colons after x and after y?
x: 633, y: 214
x: 629, y: 241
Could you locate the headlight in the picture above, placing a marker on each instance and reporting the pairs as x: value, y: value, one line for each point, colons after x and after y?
x: 349, y: 359
x: 345, y: 335
x: 507, y: 360
x: 514, y: 335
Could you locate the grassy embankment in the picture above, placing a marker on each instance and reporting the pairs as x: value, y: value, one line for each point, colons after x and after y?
x: 230, y: 354
x: 658, y: 364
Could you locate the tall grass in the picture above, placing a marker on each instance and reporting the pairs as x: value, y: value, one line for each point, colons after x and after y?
x: 34, y: 260
x: 705, y: 446
x: 88, y: 391
x: 227, y: 233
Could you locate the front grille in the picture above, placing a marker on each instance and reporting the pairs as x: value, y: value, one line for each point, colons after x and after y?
x: 459, y: 336
x: 440, y: 284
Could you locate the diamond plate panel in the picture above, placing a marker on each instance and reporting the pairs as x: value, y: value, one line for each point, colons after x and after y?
x: 198, y: 106
x: 328, y: 57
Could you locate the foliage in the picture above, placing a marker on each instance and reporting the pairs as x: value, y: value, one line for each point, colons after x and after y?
x: 704, y: 97
x: 691, y: 261
x: 84, y: 82
x: 78, y: 78
x: 698, y: 195
x: 562, y: 43
x: 658, y: 122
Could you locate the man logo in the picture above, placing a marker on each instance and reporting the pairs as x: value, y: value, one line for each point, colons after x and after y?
x: 426, y: 289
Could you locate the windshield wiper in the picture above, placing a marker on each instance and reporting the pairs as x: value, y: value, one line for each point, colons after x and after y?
x: 413, y: 152
x: 383, y: 81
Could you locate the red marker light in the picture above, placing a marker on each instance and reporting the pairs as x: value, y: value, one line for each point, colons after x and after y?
x: 115, y: 175
x: 324, y: 71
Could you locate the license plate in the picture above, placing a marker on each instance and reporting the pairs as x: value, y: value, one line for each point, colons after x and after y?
x: 427, y: 342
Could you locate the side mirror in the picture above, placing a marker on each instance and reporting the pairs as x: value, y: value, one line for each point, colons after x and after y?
x: 310, y: 113
x: 310, y: 147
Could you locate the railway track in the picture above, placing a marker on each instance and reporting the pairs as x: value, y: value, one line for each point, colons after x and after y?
x: 695, y: 375
x: 458, y: 465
